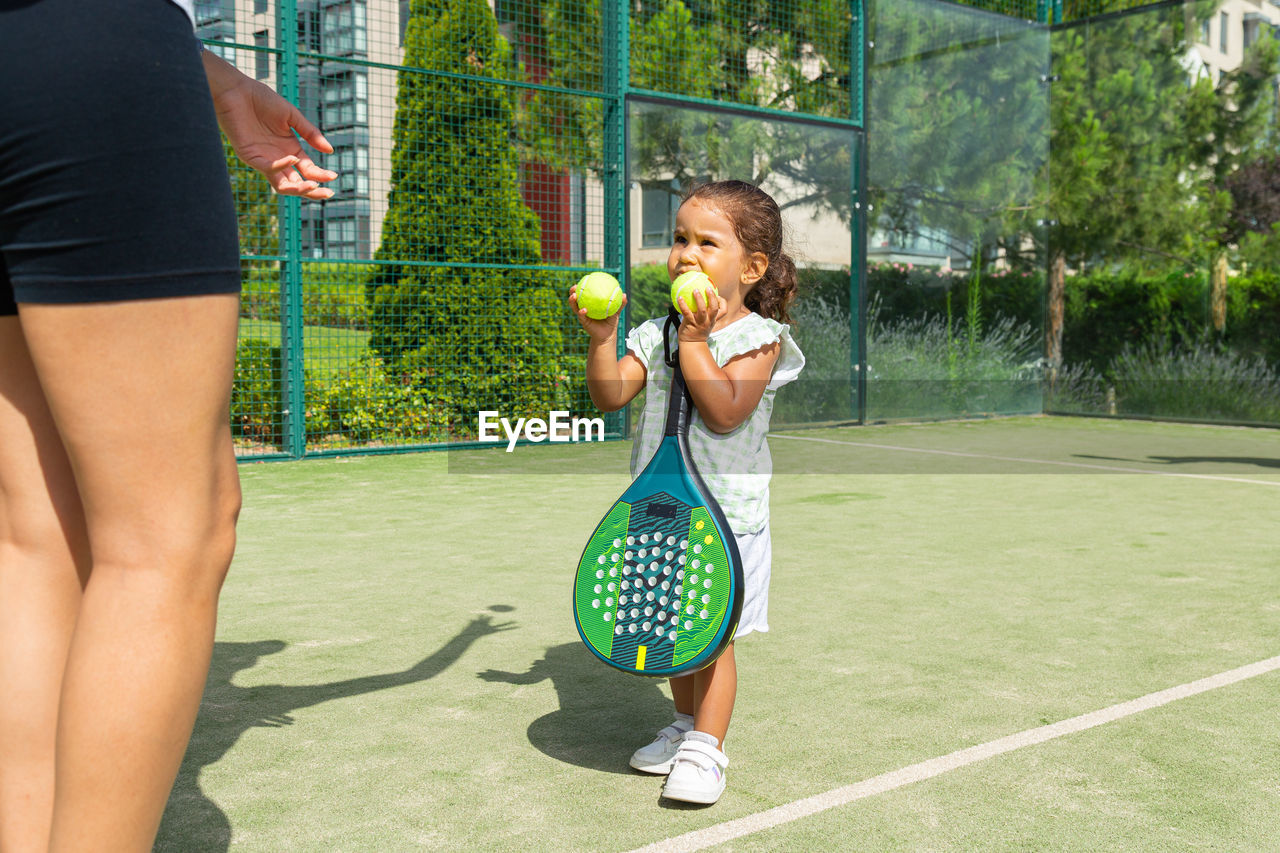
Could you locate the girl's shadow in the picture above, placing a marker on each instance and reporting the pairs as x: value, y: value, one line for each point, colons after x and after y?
x: 192, y: 822
x: 604, y: 714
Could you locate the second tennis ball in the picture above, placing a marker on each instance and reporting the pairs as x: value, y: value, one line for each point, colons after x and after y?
x: 600, y: 294
x: 688, y: 283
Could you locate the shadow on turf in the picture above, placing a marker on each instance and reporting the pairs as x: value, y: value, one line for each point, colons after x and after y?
x: 1260, y: 461
x: 604, y: 714
x: 192, y: 822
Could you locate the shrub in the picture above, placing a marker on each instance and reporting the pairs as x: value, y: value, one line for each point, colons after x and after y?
x: 932, y: 366
x: 333, y: 294
x: 1107, y: 312
x: 908, y: 291
x: 1201, y: 380
x: 1077, y: 389
x: 825, y: 389
x: 648, y: 294
x: 456, y: 303
x: 257, y: 401
x: 363, y: 404
x: 1253, y: 315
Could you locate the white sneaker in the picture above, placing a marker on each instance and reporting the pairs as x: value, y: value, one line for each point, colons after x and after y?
x: 656, y: 757
x: 697, y: 771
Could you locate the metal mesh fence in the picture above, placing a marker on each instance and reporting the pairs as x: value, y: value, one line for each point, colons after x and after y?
x: 1058, y: 11
x: 469, y: 144
x: 480, y: 148
x: 490, y: 153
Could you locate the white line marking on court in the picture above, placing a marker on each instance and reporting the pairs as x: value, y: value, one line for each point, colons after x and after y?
x: 1025, y: 459
x: 702, y: 838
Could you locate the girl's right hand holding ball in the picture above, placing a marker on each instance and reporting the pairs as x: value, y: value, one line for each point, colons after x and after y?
x: 599, y: 330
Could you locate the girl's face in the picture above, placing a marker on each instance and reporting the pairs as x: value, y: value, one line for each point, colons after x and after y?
x: 705, y: 240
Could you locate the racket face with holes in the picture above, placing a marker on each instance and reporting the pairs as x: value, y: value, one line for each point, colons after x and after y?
x: 658, y: 590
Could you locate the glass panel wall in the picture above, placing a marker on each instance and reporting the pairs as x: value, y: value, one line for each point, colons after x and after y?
x: 957, y: 117
x: 808, y: 168
x: 1164, y: 256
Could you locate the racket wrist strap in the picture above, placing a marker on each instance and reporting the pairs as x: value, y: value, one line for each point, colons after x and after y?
x: 679, y: 401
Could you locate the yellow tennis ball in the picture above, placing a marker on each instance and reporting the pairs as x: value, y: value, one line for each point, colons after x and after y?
x: 688, y: 283
x: 600, y: 294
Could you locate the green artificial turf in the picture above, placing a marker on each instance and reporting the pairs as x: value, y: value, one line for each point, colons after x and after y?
x: 397, y: 666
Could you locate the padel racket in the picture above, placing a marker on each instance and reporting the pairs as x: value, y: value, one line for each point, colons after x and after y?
x: 659, y: 586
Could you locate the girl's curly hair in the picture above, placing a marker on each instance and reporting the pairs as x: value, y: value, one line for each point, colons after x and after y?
x: 757, y: 222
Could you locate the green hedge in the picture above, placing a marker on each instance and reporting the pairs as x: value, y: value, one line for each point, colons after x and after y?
x: 333, y: 294
x: 649, y: 290
x: 256, y: 398
x: 1107, y: 313
x: 908, y: 292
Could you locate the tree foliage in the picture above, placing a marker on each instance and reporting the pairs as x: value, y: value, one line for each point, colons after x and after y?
x: 1138, y: 150
x: 780, y: 55
x: 1255, y: 197
x: 957, y: 124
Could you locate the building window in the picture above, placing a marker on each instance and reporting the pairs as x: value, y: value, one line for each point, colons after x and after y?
x: 1224, y: 28
x: 210, y: 11
x: 1204, y: 32
x: 1251, y: 29
x: 262, y: 56
x: 353, y: 170
x: 343, y: 237
x: 312, y: 234
x: 309, y: 31
x: 345, y: 99
x: 259, y: 7
x: 345, y: 29
x: 216, y: 45
x: 658, y: 207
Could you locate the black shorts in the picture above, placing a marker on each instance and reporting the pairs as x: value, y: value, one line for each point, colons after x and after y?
x: 113, y: 181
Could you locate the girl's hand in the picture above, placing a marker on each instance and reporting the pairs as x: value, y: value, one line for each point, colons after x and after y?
x: 700, y: 318
x: 599, y: 330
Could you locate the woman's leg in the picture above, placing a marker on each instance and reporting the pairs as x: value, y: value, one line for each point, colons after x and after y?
x: 44, y: 560
x: 139, y: 392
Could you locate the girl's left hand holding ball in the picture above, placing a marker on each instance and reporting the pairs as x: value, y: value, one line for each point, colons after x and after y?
x: 699, y: 319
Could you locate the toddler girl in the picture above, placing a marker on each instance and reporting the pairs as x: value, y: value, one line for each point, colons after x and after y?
x: 735, y: 352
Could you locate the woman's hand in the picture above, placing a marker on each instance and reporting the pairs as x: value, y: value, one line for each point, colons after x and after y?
x: 260, y: 126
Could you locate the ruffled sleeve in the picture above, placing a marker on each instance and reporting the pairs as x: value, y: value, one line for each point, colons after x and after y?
x: 646, y: 339
x: 753, y: 332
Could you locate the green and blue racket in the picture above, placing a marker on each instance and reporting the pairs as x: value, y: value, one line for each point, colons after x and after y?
x: 658, y: 590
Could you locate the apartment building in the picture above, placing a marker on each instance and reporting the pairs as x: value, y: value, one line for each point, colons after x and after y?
x: 352, y: 102
x: 1224, y: 38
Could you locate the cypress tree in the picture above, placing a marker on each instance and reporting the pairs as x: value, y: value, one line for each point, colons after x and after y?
x: 475, y: 336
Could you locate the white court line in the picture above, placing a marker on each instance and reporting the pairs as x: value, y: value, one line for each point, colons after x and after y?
x: 1033, y: 461
x: 720, y: 833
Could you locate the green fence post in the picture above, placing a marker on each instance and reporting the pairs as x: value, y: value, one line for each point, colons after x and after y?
x: 858, y: 37
x: 290, y: 216
x: 616, y: 58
